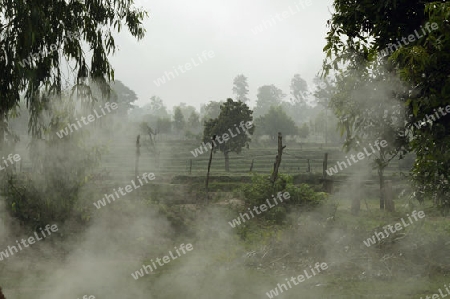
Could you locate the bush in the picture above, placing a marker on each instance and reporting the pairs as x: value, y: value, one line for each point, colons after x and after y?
x: 51, y: 193
x: 261, y: 189
x: 61, y: 167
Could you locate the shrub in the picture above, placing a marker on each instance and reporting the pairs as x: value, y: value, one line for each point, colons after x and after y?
x: 61, y: 167
x: 261, y: 189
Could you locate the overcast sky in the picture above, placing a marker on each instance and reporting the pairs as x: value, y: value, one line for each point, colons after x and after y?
x: 179, y: 31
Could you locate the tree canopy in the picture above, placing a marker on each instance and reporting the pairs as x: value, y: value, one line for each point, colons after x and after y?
x: 420, y: 59
x: 299, y: 90
x: 232, y: 128
x: 123, y: 95
x: 240, y: 88
x: 274, y: 121
x: 268, y: 95
x: 38, y: 37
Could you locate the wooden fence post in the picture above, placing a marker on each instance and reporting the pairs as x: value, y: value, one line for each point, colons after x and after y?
x: 209, y: 166
x: 277, y: 163
x: 251, y: 166
x: 1, y: 294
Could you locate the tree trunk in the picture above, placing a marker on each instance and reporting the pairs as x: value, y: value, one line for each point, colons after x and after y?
x: 2, y: 129
x: 356, y: 201
x: 325, y: 165
x: 381, y: 178
x: 227, y: 160
x: 326, y: 126
x: 327, y: 183
x: 388, y: 196
x: 138, y: 153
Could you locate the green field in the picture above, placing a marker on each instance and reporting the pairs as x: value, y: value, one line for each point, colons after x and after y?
x: 233, y: 263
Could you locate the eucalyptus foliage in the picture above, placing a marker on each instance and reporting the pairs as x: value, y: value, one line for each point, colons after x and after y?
x: 39, y: 40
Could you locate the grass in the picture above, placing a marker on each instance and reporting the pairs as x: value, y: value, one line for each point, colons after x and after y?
x: 245, y: 279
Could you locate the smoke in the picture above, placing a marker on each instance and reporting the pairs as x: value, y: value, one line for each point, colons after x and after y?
x: 94, y: 251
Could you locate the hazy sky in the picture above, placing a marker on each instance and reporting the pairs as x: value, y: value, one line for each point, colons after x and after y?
x: 178, y: 31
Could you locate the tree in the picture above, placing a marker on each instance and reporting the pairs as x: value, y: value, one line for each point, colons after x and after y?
x: 124, y: 96
x: 186, y: 109
x: 62, y: 167
x: 276, y: 120
x: 157, y: 107
x: 32, y: 34
x: 234, y: 119
x: 151, y: 112
x: 178, y: 119
x: 421, y: 61
x: 268, y: 95
x: 210, y: 110
x: 298, y: 107
x: 319, y: 123
x: 240, y: 88
x: 323, y: 90
x: 323, y: 93
x: 194, y: 121
x: 303, y: 131
x: 163, y: 126
x: 368, y: 106
x: 299, y: 90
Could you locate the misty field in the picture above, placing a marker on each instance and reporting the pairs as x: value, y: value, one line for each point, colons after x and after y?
x: 224, y: 149
x: 110, y: 243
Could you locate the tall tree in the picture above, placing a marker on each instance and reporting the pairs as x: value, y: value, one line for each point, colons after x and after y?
x: 268, y: 95
x: 186, y: 109
x: 194, y: 121
x: 210, y: 110
x: 151, y: 112
x: 240, y: 88
x: 299, y: 90
x: 303, y: 131
x: 410, y: 38
x: 323, y: 93
x: 163, y: 126
x: 368, y: 107
x: 156, y: 105
x: 178, y: 119
x: 123, y: 95
x: 34, y: 33
x: 298, y: 107
x: 274, y: 121
x: 232, y: 129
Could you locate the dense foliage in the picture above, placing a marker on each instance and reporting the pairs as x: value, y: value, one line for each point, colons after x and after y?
x: 61, y: 168
x: 259, y: 190
x: 422, y: 62
x: 34, y: 33
x: 233, y: 115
